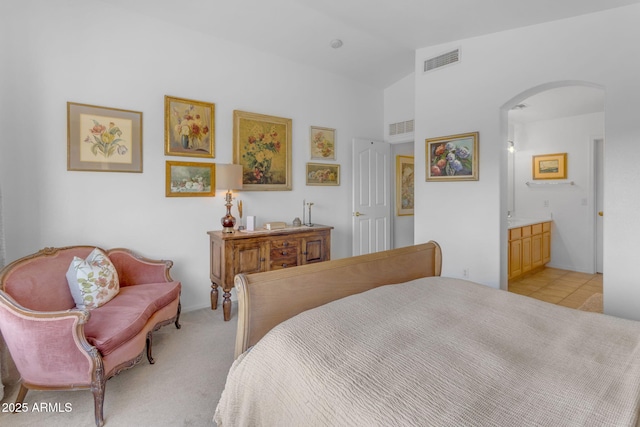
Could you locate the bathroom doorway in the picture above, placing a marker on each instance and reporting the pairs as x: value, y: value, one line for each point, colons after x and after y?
x: 564, y: 117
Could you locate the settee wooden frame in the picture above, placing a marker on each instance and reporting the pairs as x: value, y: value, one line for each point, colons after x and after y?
x: 80, y: 317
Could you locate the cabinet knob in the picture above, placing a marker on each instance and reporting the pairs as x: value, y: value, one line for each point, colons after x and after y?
x: 284, y: 265
x: 263, y: 259
x: 284, y: 252
x: 285, y: 244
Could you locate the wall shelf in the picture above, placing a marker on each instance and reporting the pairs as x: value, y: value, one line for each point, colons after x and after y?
x: 553, y: 183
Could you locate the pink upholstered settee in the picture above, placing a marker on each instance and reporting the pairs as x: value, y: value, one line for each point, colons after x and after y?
x: 56, y: 346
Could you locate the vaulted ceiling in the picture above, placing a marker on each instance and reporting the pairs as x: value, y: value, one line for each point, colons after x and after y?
x: 379, y: 36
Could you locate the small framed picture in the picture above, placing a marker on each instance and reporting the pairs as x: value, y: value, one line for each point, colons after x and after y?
x: 323, y: 143
x: 550, y: 166
x: 323, y: 174
x: 190, y: 179
x: 103, y: 139
x: 189, y: 127
x: 404, y: 185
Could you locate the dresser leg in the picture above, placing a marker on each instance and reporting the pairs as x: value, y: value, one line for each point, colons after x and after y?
x: 214, y: 296
x: 226, y: 305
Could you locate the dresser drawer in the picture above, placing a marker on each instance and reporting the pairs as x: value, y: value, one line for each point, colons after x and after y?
x: 284, y: 243
x: 285, y: 252
x: 277, y: 264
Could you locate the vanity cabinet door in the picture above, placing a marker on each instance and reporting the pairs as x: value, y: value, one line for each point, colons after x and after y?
x: 515, y: 258
x: 248, y: 257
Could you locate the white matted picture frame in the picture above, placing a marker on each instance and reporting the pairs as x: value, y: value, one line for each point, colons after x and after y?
x: 323, y: 143
x: 103, y: 139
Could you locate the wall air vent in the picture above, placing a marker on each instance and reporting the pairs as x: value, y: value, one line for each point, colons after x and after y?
x: 401, y: 128
x: 440, y: 61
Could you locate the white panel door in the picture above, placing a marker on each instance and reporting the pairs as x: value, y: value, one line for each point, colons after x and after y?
x: 371, y: 196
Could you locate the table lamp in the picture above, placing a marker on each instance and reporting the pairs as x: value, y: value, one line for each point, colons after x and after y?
x: 228, y: 177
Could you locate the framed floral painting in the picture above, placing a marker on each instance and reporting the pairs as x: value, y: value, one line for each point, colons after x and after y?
x: 189, y: 127
x: 262, y: 145
x: 323, y: 143
x: 190, y: 179
x: 452, y: 158
x: 103, y: 139
x: 323, y: 174
x: 404, y: 185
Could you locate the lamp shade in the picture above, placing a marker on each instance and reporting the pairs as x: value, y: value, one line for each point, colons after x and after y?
x: 229, y: 177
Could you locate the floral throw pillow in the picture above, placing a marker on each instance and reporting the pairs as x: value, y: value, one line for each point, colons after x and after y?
x: 92, y: 281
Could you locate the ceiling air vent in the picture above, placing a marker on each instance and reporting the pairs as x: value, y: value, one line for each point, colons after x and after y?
x: 442, y: 60
x: 401, y: 128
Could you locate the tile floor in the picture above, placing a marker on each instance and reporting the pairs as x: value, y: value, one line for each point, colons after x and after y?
x: 562, y: 287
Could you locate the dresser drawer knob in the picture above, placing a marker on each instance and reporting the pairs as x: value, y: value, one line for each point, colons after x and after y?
x: 285, y: 244
x: 284, y: 265
x: 284, y: 252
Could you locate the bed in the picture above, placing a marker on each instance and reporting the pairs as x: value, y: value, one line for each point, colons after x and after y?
x: 382, y: 339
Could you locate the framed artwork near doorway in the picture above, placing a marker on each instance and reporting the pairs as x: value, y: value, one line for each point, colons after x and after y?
x: 550, y: 166
x: 452, y: 158
x: 404, y: 185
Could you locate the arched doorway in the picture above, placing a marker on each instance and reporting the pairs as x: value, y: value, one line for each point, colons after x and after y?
x: 560, y: 117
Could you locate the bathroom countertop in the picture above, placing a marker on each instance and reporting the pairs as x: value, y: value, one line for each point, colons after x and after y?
x: 521, y: 222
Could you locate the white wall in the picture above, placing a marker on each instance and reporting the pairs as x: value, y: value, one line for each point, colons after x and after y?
x: 89, y: 52
x: 497, y: 71
x: 570, y: 206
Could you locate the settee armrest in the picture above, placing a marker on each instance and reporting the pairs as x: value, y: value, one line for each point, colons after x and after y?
x: 48, y: 347
x: 134, y: 269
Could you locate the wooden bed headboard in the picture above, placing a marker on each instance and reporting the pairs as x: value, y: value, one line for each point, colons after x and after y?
x: 267, y: 299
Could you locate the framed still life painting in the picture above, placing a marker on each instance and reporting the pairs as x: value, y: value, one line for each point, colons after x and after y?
x: 103, y: 139
x: 190, y: 179
x: 323, y: 143
x: 404, y: 185
x: 323, y: 174
x: 262, y: 145
x: 452, y: 158
x: 189, y: 127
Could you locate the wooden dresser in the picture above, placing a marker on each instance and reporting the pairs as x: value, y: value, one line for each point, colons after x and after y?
x: 262, y: 250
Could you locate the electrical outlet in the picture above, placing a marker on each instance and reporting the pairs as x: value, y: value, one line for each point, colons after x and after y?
x: 465, y: 273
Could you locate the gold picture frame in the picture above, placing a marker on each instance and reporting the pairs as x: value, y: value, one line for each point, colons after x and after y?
x: 323, y: 174
x: 404, y: 185
x: 190, y: 179
x: 550, y: 166
x: 452, y: 158
x: 323, y: 143
x: 189, y: 127
x: 103, y: 139
x: 262, y: 145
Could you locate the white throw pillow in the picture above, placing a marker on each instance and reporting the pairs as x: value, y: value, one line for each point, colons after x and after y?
x: 94, y: 281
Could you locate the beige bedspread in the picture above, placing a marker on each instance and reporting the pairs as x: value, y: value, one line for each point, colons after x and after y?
x: 438, y: 352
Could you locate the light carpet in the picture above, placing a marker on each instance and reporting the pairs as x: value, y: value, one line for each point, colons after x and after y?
x: 181, y: 389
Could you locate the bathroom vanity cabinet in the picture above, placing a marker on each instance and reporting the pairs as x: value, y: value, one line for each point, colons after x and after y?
x: 529, y: 248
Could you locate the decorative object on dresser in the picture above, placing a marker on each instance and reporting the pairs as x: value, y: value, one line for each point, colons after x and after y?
x: 262, y: 145
x: 103, y: 139
x: 189, y: 127
x: 229, y: 177
x: 262, y: 250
